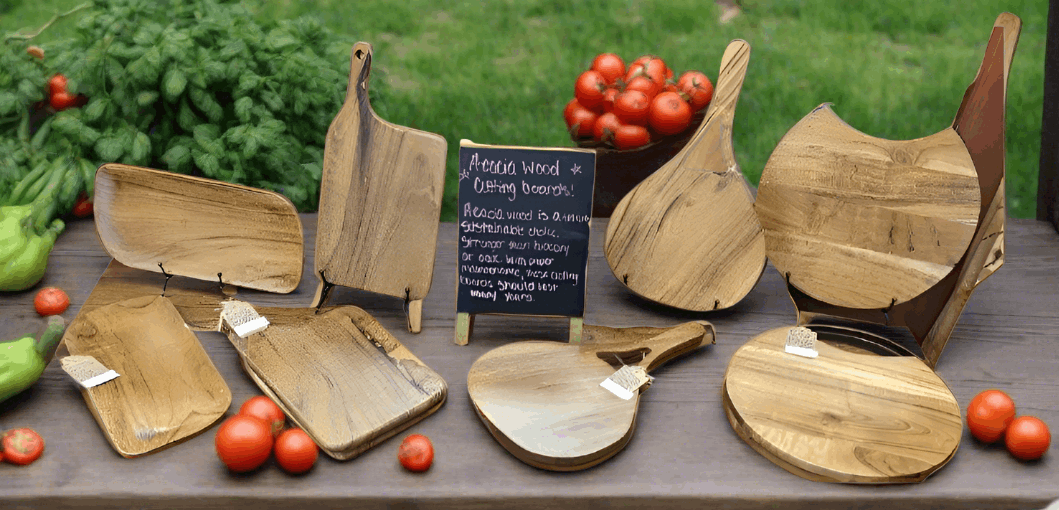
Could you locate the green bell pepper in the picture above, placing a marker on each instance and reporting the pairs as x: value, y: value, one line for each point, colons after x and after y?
x: 26, y: 240
x: 22, y: 361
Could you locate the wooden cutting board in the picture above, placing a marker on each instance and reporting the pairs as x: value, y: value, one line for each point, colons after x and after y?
x: 340, y: 376
x: 688, y: 236
x: 210, y: 230
x: 863, y: 222
x: 380, y: 201
x: 543, y: 400
x: 848, y: 415
x: 168, y: 388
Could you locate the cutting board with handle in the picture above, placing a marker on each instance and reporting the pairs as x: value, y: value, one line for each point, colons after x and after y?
x: 340, y: 376
x: 543, y: 400
x: 201, y: 228
x: 688, y: 236
x: 380, y: 201
x: 168, y: 388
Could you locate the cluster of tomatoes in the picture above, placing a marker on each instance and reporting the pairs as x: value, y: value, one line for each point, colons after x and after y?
x: 21, y: 446
x: 991, y: 416
x: 58, y: 96
x: 627, y: 108
x: 245, y: 441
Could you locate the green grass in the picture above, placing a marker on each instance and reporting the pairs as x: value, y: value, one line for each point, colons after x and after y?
x: 501, y: 73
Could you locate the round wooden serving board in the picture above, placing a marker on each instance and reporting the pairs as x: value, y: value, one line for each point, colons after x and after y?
x: 688, y: 236
x: 844, y: 416
x: 863, y: 222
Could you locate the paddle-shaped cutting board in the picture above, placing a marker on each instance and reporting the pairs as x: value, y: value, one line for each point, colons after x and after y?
x: 844, y: 416
x: 167, y: 389
x: 863, y: 222
x: 380, y: 201
x: 688, y: 236
x: 340, y: 376
x: 543, y: 400
x: 205, y: 229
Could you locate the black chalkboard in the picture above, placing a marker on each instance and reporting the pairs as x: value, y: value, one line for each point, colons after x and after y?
x: 523, y: 229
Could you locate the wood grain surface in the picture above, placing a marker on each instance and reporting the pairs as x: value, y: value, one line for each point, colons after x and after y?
x: 168, y: 388
x: 863, y: 222
x: 340, y: 376
x: 843, y: 416
x: 543, y: 400
x: 684, y: 453
x: 210, y: 230
x: 688, y: 236
x: 380, y: 200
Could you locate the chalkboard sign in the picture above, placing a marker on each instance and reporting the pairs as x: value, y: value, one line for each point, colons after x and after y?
x: 524, y: 218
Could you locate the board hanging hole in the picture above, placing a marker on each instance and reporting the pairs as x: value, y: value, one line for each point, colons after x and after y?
x: 622, y: 358
x: 359, y: 54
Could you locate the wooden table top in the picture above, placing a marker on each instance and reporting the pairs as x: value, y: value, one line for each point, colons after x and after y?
x: 683, y: 453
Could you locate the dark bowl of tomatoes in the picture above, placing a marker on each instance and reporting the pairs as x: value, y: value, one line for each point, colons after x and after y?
x: 636, y: 119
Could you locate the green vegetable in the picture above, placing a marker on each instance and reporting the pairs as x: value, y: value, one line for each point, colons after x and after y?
x: 22, y: 361
x: 26, y: 240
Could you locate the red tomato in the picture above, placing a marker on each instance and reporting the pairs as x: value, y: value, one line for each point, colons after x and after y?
x: 632, y: 107
x: 62, y: 100
x: 634, y: 71
x: 263, y: 408
x: 605, y: 127
x: 57, y: 84
x: 51, y: 301
x: 83, y: 207
x: 989, y: 414
x: 243, y: 443
x: 295, y: 451
x: 580, y: 122
x: 645, y: 85
x: 589, y: 90
x: 610, y: 66
x: 1027, y: 438
x: 698, y: 89
x: 630, y: 136
x: 570, y: 107
x: 655, y: 69
x: 609, y: 96
x: 416, y: 453
x: 644, y: 58
x: 669, y: 114
x: 670, y: 87
x: 21, y: 446
x: 669, y: 74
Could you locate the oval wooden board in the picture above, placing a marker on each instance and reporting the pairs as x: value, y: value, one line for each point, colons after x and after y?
x: 198, y: 228
x: 844, y: 416
x: 543, y: 401
x: 688, y: 236
x: 863, y: 222
x: 340, y: 376
x: 168, y: 388
x: 380, y: 199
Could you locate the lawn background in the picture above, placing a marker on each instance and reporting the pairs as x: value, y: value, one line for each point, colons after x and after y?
x: 500, y: 72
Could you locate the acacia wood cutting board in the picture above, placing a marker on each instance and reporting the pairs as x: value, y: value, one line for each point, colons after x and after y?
x: 168, y: 388
x: 380, y: 201
x: 844, y: 416
x: 340, y: 376
x: 688, y: 236
x: 210, y: 230
x: 543, y: 401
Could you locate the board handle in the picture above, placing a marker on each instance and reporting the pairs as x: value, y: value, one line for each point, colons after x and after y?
x: 646, y: 347
x: 359, y: 69
x: 720, y: 115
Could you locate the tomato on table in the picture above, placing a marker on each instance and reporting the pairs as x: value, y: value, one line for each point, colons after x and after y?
x: 295, y: 451
x: 263, y: 408
x: 83, y: 207
x: 243, y: 443
x: 989, y: 414
x: 1027, y: 438
x: 21, y: 446
x: 416, y: 453
x: 51, y: 301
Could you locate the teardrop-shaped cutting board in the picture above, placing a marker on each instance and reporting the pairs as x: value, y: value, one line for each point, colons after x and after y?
x: 863, y: 222
x: 848, y: 415
x: 168, y: 388
x: 380, y: 201
x: 201, y: 228
x: 688, y: 236
x: 543, y: 400
x: 340, y: 376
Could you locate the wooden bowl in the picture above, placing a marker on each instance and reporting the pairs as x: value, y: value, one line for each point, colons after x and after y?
x: 618, y: 172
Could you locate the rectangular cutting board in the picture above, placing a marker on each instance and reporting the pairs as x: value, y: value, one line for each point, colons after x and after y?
x: 340, y: 376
